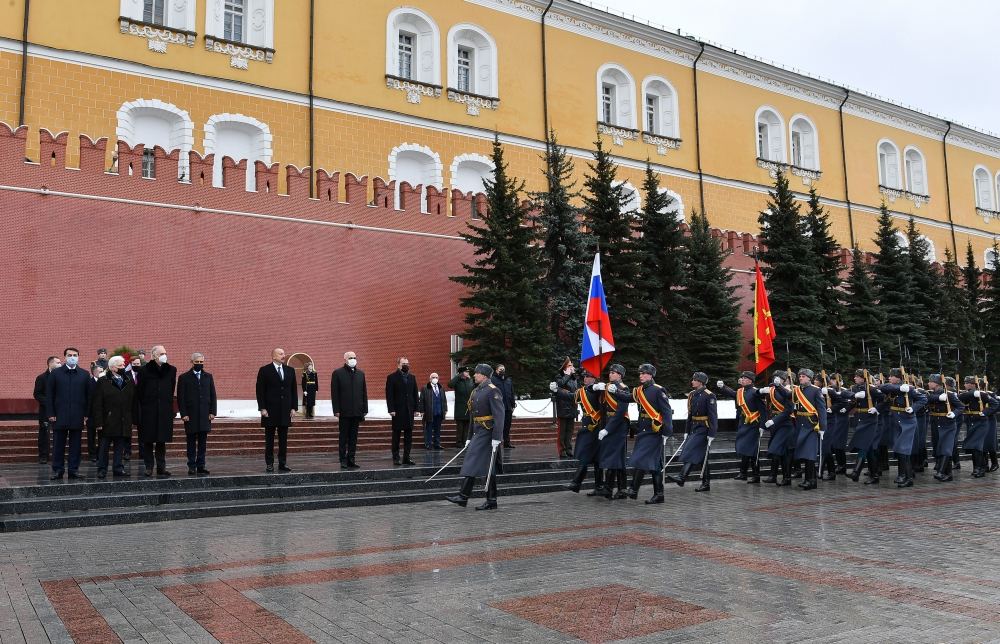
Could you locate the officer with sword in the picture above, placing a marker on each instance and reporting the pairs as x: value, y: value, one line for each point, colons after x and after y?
x: 482, y: 456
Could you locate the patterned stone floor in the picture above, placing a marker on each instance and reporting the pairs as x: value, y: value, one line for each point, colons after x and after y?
x: 741, y: 564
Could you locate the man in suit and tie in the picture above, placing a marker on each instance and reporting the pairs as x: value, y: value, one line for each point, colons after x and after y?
x: 401, y: 400
x: 277, y: 400
x: 67, y: 401
x: 434, y: 406
x: 197, y: 403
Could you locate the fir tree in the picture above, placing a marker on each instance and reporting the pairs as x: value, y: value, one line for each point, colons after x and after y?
x: 565, y: 266
x: 505, y: 321
x: 864, y: 320
x: 972, y: 354
x: 611, y: 228
x: 713, y: 310
x: 660, y: 308
x: 794, y: 285
x: 953, y: 331
x: 991, y: 314
x: 894, y: 290
x: 926, y: 296
x: 824, y: 248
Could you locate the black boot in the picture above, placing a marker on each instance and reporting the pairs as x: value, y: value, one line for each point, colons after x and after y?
x: 610, y: 476
x: 786, y: 471
x: 598, y: 482
x: 874, y: 470
x: 841, y: 461
x: 755, y: 473
x: 581, y: 473
x: 491, y: 496
x: 680, y: 478
x: 978, y: 464
x: 810, y: 476
x: 742, y: 476
x: 773, y: 476
x: 994, y: 464
x: 637, y: 477
x: 706, y: 479
x: 462, y: 498
x: 919, y: 461
x: 901, y: 461
x: 956, y: 457
x: 657, y: 489
x: 883, y: 457
x: 622, y: 484
x: 858, y: 467
x: 938, y: 462
x: 830, y: 466
x: 945, y: 473
x: 906, y: 463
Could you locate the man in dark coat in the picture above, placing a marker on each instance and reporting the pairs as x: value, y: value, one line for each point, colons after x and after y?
x: 586, y: 450
x: 482, y: 456
x: 155, y: 395
x: 67, y: 399
x: 310, y: 388
x: 778, y: 401
x: 132, y: 372
x: 749, y: 430
x: 655, y: 425
x: 699, y: 431
x: 111, y: 407
x: 905, y: 403
x: 979, y: 405
x: 277, y: 401
x: 41, y: 380
x: 349, y: 397
x: 613, y: 436
x: 433, y: 405
x: 564, y: 387
x: 96, y: 373
x: 401, y: 401
x: 462, y: 384
x: 944, y: 408
x: 505, y: 384
x: 810, y: 424
x: 198, y: 406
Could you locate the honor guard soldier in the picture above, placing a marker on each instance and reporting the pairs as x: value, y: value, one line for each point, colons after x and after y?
x: 614, y: 436
x: 838, y: 416
x: 310, y: 387
x: 780, y: 422
x: 905, y: 403
x: 749, y: 425
x: 944, y: 408
x: 699, y: 432
x: 655, y: 425
x: 991, y: 434
x: 482, y: 457
x: 810, y: 424
x: 866, y: 432
x: 978, y: 407
x: 585, y: 451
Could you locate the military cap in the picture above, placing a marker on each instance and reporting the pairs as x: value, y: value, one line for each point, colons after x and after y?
x: 808, y: 373
x: 647, y: 368
x: 859, y: 373
x: 950, y: 381
x: 102, y: 350
x: 484, y: 369
x: 700, y: 376
x: 586, y: 374
x: 935, y: 377
x: 896, y: 372
x: 971, y: 380
x: 617, y: 368
x: 748, y: 374
x: 780, y: 373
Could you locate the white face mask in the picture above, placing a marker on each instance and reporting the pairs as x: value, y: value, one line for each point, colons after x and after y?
x: 162, y: 359
x: 434, y: 381
x: 72, y: 361
x: 352, y: 362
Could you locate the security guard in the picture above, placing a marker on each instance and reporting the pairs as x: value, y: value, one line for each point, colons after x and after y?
x: 655, y: 425
x: 586, y: 439
x: 749, y: 427
x: 810, y: 425
x: 905, y: 402
x: 482, y: 457
x: 978, y: 407
x: 699, y: 431
x: 944, y: 408
x: 780, y: 422
x: 866, y: 433
x: 614, y: 436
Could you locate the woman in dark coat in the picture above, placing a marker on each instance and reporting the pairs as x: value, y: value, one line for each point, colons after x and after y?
x: 112, y: 409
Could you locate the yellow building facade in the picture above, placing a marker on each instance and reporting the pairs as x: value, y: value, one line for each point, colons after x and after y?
x: 416, y: 92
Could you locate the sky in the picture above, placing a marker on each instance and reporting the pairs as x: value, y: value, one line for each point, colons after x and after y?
x: 925, y: 54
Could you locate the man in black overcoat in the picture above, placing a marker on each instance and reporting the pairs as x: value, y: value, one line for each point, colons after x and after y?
x: 155, y: 396
x: 198, y: 406
x: 277, y: 400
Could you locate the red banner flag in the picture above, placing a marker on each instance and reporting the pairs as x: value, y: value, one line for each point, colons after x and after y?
x: 764, y: 334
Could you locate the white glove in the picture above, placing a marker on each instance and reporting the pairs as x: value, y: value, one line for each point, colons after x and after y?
x: 612, y: 388
x: 769, y: 424
x: 601, y: 434
x: 824, y: 391
x: 760, y: 430
x: 843, y: 410
x: 599, y: 386
x: 664, y: 441
x: 905, y: 388
x: 873, y: 411
x: 763, y: 391
x: 860, y: 395
x: 720, y: 384
x: 822, y: 433
x: 977, y: 393
x: 982, y: 413
x: 467, y: 442
x: 950, y: 414
x: 777, y: 381
x: 553, y: 387
x: 909, y: 410
x: 943, y: 397
x: 710, y: 439
x: 496, y: 444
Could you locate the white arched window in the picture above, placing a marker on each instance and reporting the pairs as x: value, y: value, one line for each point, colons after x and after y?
x: 902, y: 240
x: 633, y: 198
x: 238, y: 137
x: 770, y: 129
x: 152, y: 123
x: 417, y: 165
x: 468, y: 171
x: 412, y: 44
x: 250, y: 22
x: 805, y: 143
x: 472, y: 61
x: 659, y: 107
x: 931, y: 250
x: 984, y: 191
x: 174, y: 14
x: 888, y: 165
x: 615, y: 96
x: 916, y: 171
x: 990, y: 259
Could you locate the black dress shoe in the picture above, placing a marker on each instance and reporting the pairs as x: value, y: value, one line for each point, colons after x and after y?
x: 770, y: 479
x: 945, y: 478
x: 783, y: 482
x: 808, y: 485
x: 407, y: 461
x: 148, y: 471
x: 164, y: 473
x: 871, y: 481
x: 488, y: 504
x: 596, y: 492
x: 202, y: 470
x: 457, y: 499
x: 101, y: 474
x: 704, y: 487
x: 73, y: 475
x: 740, y: 477
x: 573, y: 487
x: 127, y: 458
x: 119, y: 473
x: 437, y: 448
x: 753, y: 479
x: 508, y: 446
x: 284, y: 468
x: 191, y: 471
x: 632, y: 494
x: 56, y: 477
x: 675, y: 479
x: 43, y: 460
x: 621, y: 494
x: 353, y: 465
x: 397, y: 462
x: 657, y: 498
x: 269, y: 469
x: 907, y: 482
x: 994, y: 467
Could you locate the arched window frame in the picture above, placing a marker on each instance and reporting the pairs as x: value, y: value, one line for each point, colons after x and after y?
x: 463, y: 158
x: 931, y: 248
x: 623, y: 100
x: 484, y: 69
x: 667, y: 118
x: 263, y: 150
x: 776, y: 148
x: 437, y: 179
x: 808, y: 140
x: 182, y: 136
x: 983, y: 188
x: 989, y: 259
x: 889, y: 169
x: 915, y: 170
x: 426, y: 60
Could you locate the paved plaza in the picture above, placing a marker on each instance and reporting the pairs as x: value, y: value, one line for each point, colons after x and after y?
x: 742, y: 563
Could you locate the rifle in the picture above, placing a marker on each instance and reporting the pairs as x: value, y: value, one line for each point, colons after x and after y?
x: 866, y: 356
x: 826, y: 381
x: 944, y: 381
x: 902, y: 369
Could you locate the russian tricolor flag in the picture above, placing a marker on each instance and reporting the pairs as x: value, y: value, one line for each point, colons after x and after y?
x: 598, y: 343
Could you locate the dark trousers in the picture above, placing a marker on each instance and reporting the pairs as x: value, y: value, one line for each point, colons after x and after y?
x: 269, y: 445
x: 565, y: 436
x: 461, y: 431
x: 402, y: 426
x: 60, y: 437
x: 310, y: 411
x: 432, y: 431
x: 348, y: 429
x: 128, y: 444
x: 508, y: 418
x: 155, y: 452
x: 91, y: 439
x: 196, y: 444
x: 43, y: 439
x: 118, y: 443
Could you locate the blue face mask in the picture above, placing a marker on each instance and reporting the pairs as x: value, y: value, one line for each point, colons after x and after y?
x: 72, y: 361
